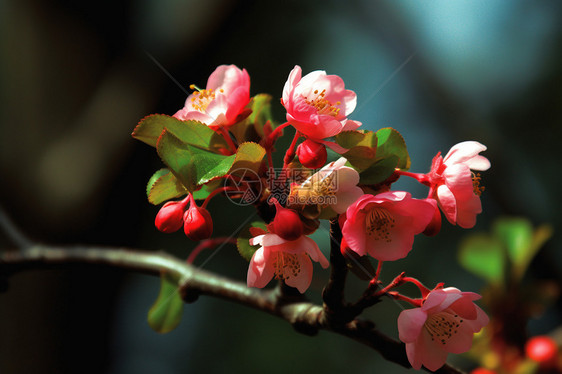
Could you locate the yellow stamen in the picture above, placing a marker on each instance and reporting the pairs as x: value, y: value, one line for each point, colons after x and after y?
x: 201, y: 98
x: 322, y: 104
x: 378, y: 224
x: 476, y: 187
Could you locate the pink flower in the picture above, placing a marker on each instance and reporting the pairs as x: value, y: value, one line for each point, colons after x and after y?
x: 318, y: 104
x: 455, y: 187
x: 384, y: 225
x: 224, y: 99
x: 445, y: 323
x: 334, y: 186
x: 286, y: 260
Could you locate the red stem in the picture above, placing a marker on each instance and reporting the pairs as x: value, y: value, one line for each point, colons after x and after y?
x: 214, y: 193
x: 290, y: 154
x: 377, y: 273
x: 277, y: 130
x: 422, y: 178
x: 228, y: 139
x: 208, y: 244
x: 396, y: 296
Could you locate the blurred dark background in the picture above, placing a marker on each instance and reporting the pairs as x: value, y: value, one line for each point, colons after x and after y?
x: 75, y: 78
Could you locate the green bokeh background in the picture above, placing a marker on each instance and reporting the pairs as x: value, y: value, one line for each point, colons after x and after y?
x: 75, y: 78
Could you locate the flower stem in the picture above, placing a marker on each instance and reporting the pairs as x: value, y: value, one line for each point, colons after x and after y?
x: 228, y: 139
x: 290, y: 154
x: 214, y: 193
x: 278, y: 129
x: 422, y: 178
x: 208, y: 244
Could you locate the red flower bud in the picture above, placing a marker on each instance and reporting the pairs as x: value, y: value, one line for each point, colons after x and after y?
x: 287, y: 223
x: 170, y: 217
x: 542, y: 349
x: 198, y: 224
x: 311, y: 154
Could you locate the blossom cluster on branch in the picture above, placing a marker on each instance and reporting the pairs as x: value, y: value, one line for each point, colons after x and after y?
x: 222, y: 142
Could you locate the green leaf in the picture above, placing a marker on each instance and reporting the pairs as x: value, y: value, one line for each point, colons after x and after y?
x: 362, y: 147
x: 251, y: 129
x: 380, y: 171
x: 206, y: 189
x: 521, y: 240
x: 162, y: 186
x: 516, y: 234
x: 191, y: 165
x: 261, y: 112
x: 243, y: 242
x: 391, y: 143
x: 166, y: 312
x: 484, y: 256
x: 194, y: 133
x: 248, y: 156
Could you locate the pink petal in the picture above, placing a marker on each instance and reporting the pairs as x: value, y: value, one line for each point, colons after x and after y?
x: 478, y: 163
x: 431, y: 354
x: 465, y: 308
x: 257, y: 240
x: 463, y: 152
x: 294, y: 78
x: 346, y: 198
x: 410, y: 323
x: 481, y: 320
x: 272, y: 239
x: 447, y: 203
x: 304, y: 277
x: 461, y: 341
x: 350, y: 125
x: 354, y: 232
x: 400, y: 245
x: 311, y: 248
x: 260, y: 270
x: 434, y: 300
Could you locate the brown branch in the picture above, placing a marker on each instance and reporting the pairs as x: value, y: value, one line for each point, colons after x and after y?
x: 304, y: 316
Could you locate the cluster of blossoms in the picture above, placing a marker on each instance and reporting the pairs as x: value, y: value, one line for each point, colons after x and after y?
x: 374, y: 219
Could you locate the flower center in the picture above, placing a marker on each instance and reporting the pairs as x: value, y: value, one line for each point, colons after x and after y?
x: 442, y: 326
x: 202, y: 98
x: 476, y: 187
x: 378, y: 224
x: 321, y: 104
x: 286, y: 265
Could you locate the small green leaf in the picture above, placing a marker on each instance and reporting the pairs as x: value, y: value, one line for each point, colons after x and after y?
x: 521, y: 240
x: 362, y: 147
x: 484, y: 256
x: 166, y: 312
x: 516, y: 234
x: 206, y: 189
x: 251, y: 129
x: 261, y: 112
x: 162, y: 186
x: 248, y: 156
x: 391, y: 143
x: 191, y: 165
x: 380, y: 171
x: 243, y: 242
x: 194, y: 133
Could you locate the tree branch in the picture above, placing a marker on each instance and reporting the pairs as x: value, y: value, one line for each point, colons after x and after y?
x: 304, y: 316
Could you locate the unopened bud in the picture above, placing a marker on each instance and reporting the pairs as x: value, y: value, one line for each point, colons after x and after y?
x: 170, y: 217
x: 287, y: 223
x: 311, y: 154
x: 198, y: 224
